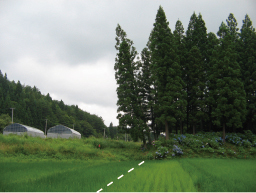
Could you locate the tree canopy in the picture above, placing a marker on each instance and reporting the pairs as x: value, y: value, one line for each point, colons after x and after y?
x: 33, y: 108
x: 192, y: 77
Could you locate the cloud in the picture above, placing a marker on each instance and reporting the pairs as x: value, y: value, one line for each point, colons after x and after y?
x: 66, y: 48
x: 91, y: 83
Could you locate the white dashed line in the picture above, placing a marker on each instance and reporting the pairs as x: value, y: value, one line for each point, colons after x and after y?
x: 141, y: 163
x: 120, y: 176
x: 131, y: 170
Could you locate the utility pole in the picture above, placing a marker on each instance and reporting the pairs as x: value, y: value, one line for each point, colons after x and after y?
x: 45, y: 127
x: 73, y: 126
x: 12, y: 114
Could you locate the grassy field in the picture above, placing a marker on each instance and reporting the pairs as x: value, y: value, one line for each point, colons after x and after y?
x: 180, y: 175
x: 188, y: 163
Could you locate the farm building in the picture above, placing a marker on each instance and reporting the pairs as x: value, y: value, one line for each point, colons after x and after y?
x: 20, y: 129
x: 62, y: 132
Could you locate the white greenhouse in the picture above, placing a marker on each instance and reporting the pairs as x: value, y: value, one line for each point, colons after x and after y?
x: 62, y: 132
x: 20, y: 129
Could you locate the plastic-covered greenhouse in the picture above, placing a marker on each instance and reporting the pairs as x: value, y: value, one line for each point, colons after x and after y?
x: 20, y: 129
x: 62, y: 132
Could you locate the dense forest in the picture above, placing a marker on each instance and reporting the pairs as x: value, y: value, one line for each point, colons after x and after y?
x: 33, y: 108
x: 186, y: 82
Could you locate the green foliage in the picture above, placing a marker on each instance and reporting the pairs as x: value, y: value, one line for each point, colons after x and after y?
x: 229, y: 93
x: 166, y: 73
x: 221, y: 175
x: 199, y: 145
x: 5, y: 120
x: 130, y: 112
x: 32, y: 108
x: 61, y: 149
x: 247, y: 61
x: 161, y: 152
x: 208, y: 145
x: 180, y: 175
x: 246, y: 140
x: 154, y: 176
x: 193, y: 79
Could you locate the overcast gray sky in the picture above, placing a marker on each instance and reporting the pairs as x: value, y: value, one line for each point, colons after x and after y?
x: 66, y: 47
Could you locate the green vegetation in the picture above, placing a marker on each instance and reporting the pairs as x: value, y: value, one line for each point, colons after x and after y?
x: 182, y: 175
x: 153, y: 176
x: 27, y: 147
x: 34, y: 164
x: 187, y: 146
x: 56, y: 176
x: 190, y: 81
x: 221, y: 175
x: 32, y: 108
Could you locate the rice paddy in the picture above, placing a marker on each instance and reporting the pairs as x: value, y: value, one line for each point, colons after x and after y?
x: 178, y: 175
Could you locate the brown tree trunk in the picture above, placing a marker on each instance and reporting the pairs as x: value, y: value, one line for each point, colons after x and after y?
x: 194, y: 129
x: 166, y: 130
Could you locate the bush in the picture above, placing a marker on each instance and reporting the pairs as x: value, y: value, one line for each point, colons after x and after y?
x: 161, y: 152
x: 210, y: 150
x: 249, y: 135
x: 177, y: 150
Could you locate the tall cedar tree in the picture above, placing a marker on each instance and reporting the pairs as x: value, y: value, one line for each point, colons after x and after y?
x: 178, y: 35
x: 130, y: 113
x: 229, y: 91
x: 166, y: 72
x: 196, y: 86
x: 144, y: 85
x: 196, y: 38
x: 212, y: 43
x: 247, y: 61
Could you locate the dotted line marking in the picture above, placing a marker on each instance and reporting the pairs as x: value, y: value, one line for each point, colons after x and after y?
x: 130, y: 170
x: 120, y: 177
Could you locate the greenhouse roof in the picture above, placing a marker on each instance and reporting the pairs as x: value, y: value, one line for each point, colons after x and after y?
x: 27, y: 128
x: 62, y: 129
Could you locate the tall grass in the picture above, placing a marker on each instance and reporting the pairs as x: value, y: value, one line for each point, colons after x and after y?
x: 221, y: 175
x: 180, y: 175
x: 83, y: 149
x: 56, y: 176
x: 154, y: 176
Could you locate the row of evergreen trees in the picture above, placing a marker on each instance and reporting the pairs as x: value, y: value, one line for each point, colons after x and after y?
x: 192, y: 81
x: 33, y: 108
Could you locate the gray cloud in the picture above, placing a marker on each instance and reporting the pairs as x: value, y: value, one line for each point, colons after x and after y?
x: 66, y: 48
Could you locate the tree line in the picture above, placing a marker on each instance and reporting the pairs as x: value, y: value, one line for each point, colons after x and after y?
x: 33, y: 108
x: 187, y: 81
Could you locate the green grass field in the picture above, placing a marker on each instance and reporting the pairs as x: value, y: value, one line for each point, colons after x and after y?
x: 180, y: 175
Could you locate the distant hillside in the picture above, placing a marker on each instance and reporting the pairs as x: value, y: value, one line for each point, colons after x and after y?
x: 33, y: 108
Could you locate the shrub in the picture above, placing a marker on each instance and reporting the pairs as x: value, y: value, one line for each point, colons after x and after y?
x: 249, y: 135
x: 209, y: 149
x: 177, y: 150
x: 161, y: 152
x: 150, y: 156
x: 246, y: 143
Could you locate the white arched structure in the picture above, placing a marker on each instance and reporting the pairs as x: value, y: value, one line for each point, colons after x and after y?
x: 62, y: 132
x: 20, y: 129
